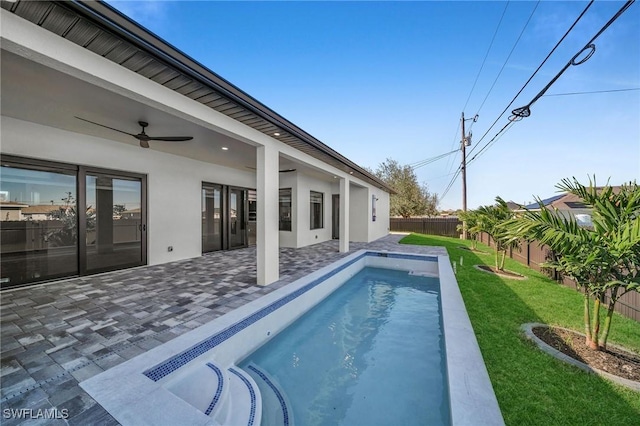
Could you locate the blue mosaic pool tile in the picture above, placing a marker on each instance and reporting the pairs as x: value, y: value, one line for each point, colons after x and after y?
x: 283, y: 405
x: 403, y: 256
x: 162, y: 370
x: 252, y: 393
x: 216, y: 397
x: 171, y: 365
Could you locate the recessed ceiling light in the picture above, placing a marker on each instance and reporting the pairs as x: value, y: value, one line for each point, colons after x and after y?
x: 276, y: 134
x: 335, y: 177
x: 224, y: 148
x: 350, y: 173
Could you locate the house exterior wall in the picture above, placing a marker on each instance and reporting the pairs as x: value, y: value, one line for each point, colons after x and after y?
x: 289, y: 238
x: 359, y: 217
x: 174, y: 197
x: 304, y: 234
x: 171, y: 180
x: 380, y: 227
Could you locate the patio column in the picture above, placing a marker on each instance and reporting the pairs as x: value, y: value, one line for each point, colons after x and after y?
x: 344, y: 215
x: 267, y: 236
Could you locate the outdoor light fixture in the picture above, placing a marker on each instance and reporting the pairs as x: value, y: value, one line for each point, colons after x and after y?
x: 276, y: 134
x: 224, y: 148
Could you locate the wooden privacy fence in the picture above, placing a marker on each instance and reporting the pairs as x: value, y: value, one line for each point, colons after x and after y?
x: 444, y: 226
x: 533, y: 255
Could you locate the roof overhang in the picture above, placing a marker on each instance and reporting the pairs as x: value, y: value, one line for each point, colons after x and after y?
x: 98, y: 27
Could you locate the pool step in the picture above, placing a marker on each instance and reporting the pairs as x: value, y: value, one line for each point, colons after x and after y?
x: 229, y: 396
x: 242, y: 403
x: 276, y: 408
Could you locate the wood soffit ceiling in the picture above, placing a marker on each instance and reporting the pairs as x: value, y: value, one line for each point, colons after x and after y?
x: 106, y: 32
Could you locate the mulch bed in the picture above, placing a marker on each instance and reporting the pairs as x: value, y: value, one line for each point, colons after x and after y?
x: 504, y: 274
x: 612, y: 360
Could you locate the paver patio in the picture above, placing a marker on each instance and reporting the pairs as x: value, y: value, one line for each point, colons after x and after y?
x: 59, y: 334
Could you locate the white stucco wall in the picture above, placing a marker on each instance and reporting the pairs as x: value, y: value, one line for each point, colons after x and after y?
x: 174, y: 197
x: 359, y: 214
x: 168, y: 183
x: 380, y: 227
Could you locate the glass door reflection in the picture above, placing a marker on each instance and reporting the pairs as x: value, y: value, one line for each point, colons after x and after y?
x: 211, y: 217
x: 115, y: 225
x: 237, y: 218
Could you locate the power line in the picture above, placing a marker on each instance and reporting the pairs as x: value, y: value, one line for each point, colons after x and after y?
x: 493, y: 140
x: 589, y: 48
x: 533, y: 75
x: 451, y: 182
x: 486, y: 55
x: 595, y: 91
x: 509, y: 56
x: 450, y: 163
x: 453, y: 143
x: 524, y: 111
x: 421, y: 163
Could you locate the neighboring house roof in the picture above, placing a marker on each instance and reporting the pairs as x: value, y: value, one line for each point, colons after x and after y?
x: 544, y: 203
x: 566, y: 201
x: 103, y: 30
x: 12, y: 205
x: 42, y: 209
x: 513, y: 205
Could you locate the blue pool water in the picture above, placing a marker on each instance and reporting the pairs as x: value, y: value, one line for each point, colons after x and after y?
x: 372, y: 353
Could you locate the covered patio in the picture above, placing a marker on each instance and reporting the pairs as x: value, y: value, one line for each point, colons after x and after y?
x: 58, y: 334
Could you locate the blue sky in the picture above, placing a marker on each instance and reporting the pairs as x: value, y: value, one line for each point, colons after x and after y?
x: 377, y: 80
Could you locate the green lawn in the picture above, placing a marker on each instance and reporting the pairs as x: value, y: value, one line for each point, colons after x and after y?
x: 532, y: 387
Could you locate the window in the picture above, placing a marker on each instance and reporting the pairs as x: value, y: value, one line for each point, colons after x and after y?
x: 285, y: 210
x: 316, y: 208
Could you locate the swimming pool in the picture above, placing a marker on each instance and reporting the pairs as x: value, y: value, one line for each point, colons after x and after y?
x: 216, y: 374
x: 371, y: 353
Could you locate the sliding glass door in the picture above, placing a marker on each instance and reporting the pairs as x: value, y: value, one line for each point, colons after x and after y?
x: 59, y: 220
x: 211, y: 217
x: 237, y: 218
x: 224, y: 217
x: 38, y: 223
x: 115, y: 226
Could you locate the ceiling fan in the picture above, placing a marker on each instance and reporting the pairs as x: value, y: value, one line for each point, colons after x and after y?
x: 142, y: 136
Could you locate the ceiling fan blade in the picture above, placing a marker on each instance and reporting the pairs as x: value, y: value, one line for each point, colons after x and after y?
x: 106, y: 127
x: 144, y: 144
x: 171, y: 138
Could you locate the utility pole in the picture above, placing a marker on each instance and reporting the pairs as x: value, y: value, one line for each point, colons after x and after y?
x: 463, y: 169
x: 465, y: 142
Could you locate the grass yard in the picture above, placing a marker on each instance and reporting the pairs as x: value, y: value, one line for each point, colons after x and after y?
x: 532, y: 387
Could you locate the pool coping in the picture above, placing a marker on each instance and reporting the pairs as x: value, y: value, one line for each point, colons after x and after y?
x: 471, y: 397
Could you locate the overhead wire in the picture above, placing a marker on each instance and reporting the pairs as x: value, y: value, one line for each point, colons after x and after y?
x: 593, y: 91
x: 589, y: 45
x: 458, y: 171
x: 486, y: 55
x: 508, y: 57
x: 451, y: 161
x: 532, y: 75
x: 451, y: 182
x: 421, y: 163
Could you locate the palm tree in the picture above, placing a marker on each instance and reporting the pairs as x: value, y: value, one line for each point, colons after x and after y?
x: 490, y: 219
x: 602, y: 259
x: 470, y: 221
